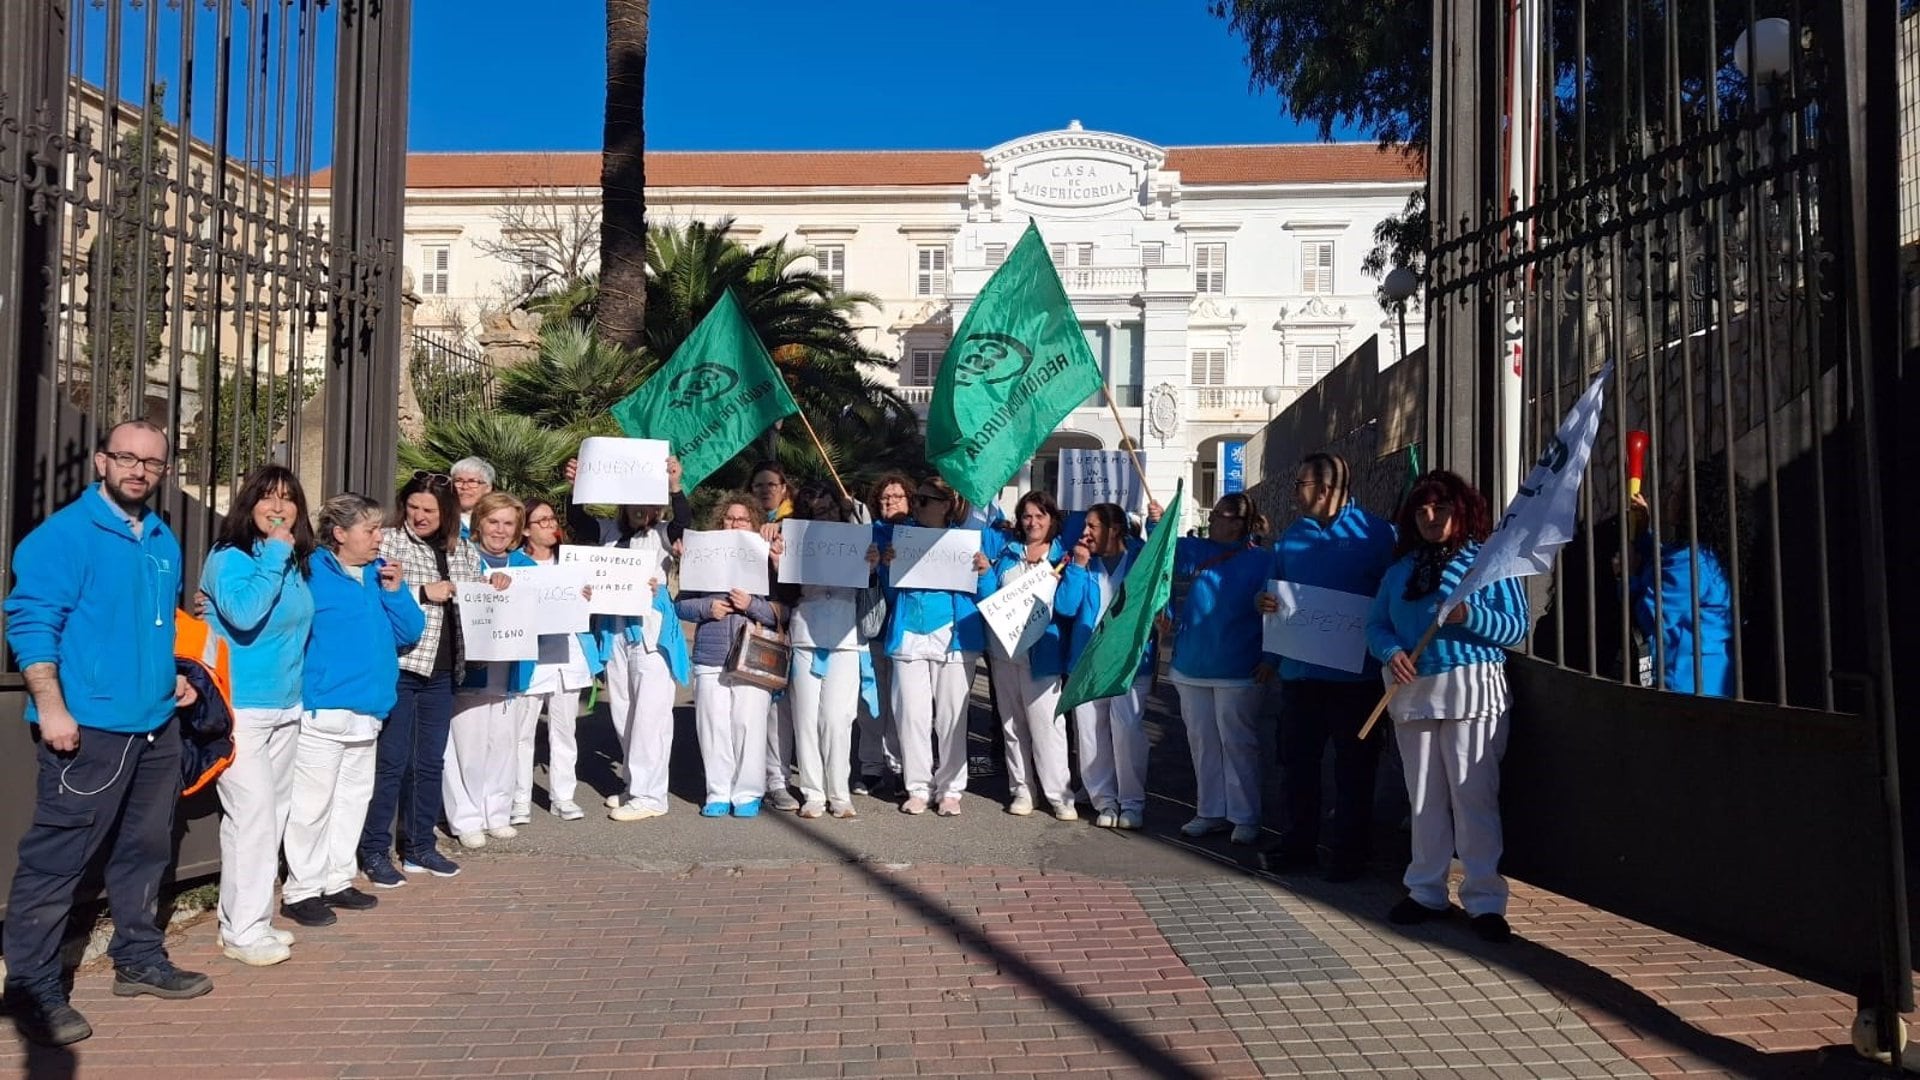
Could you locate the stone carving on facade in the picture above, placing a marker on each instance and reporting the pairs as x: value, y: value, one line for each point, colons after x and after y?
x: 509, y: 337
x: 1163, y: 412
x: 1210, y: 310
x: 1073, y: 172
x: 933, y: 314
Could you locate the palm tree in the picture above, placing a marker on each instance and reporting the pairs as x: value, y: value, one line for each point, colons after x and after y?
x: 575, y: 381
x: 622, y: 313
x: 526, y: 456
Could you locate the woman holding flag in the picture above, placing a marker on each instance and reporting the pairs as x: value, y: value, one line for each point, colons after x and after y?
x: 934, y: 638
x: 1028, y: 686
x: 1446, y: 664
x: 1110, y: 732
x: 1217, y: 666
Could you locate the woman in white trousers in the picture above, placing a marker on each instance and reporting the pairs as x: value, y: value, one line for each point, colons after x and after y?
x: 348, y: 688
x: 824, y: 685
x: 478, y: 781
x: 1028, y: 683
x: 258, y: 599
x: 567, y: 666
x: 1110, y: 733
x: 934, y: 638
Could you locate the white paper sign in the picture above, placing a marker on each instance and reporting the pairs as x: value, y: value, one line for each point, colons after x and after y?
x: 1317, y: 626
x: 1090, y: 477
x: 825, y: 553
x: 628, y: 472
x: 554, y: 592
x: 724, y: 559
x: 619, y: 577
x: 1018, y: 613
x: 495, y: 624
x: 935, y: 558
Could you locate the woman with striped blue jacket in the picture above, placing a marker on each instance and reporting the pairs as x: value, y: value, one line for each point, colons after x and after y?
x: 1451, y: 705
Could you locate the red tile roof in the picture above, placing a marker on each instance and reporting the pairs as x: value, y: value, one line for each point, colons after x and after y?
x: 1294, y: 163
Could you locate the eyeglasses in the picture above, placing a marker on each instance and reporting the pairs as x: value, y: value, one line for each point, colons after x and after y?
x: 467, y: 481
x: 931, y: 500
x: 542, y: 521
x: 769, y: 485
x: 156, y: 466
x: 432, y: 481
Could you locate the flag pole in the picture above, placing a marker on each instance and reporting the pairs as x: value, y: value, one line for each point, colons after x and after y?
x: 1133, y: 454
x: 827, y: 461
x: 1374, y: 716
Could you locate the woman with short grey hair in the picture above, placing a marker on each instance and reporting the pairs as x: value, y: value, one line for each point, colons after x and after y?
x: 349, y: 685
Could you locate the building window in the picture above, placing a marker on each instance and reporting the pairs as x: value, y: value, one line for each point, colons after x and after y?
x: 1152, y: 253
x: 1210, y: 268
x: 831, y: 260
x: 1065, y: 255
x: 996, y: 254
x: 435, y: 280
x: 923, y: 366
x: 1310, y: 362
x: 1209, y: 367
x: 930, y: 271
x: 1316, y: 267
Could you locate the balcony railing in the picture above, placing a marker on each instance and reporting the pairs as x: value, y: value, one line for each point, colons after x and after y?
x: 1104, y: 280
x: 1235, y: 402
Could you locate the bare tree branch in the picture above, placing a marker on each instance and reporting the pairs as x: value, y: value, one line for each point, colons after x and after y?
x: 549, y: 238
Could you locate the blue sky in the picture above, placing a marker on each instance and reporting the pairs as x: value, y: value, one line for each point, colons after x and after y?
x: 894, y: 74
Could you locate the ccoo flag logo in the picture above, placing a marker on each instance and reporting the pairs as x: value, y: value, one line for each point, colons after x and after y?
x: 991, y: 358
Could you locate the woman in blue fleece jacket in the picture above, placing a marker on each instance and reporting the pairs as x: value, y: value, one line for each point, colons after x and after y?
x: 1027, y: 687
x: 1217, y: 666
x: 362, y: 617
x: 729, y: 714
x: 1451, y: 704
x: 255, y: 582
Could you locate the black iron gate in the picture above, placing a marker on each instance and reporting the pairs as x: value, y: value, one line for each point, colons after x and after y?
x: 1703, y: 193
x: 165, y: 253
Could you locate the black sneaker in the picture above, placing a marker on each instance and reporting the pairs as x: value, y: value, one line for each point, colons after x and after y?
x: 162, y: 980
x: 313, y: 911
x: 430, y: 861
x: 1491, y: 927
x: 379, y: 870
x: 865, y: 785
x: 350, y: 898
x: 48, y: 1021
x: 1409, y: 912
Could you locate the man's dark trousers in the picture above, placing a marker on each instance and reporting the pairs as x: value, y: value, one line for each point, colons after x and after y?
x: 1312, y: 712
x: 119, y: 788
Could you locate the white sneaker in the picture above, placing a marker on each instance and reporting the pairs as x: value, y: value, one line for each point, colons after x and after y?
x: 284, y: 937
x: 522, y: 815
x: 1021, y: 806
x: 473, y: 840
x: 566, y: 811
x: 782, y: 799
x: 1065, y: 812
x: 633, y: 811
x: 263, y: 953
x: 1130, y: 819
x: 504, y: 832
x: 615, y: 800
x: 1105, y: 819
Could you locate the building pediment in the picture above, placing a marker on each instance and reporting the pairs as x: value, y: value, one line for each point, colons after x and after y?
x: 1073, y: 173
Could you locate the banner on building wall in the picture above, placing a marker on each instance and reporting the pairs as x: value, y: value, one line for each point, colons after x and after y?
x: 1233, y: 467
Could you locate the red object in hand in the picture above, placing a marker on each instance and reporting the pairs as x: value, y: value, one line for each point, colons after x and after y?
x: 1636, y: 460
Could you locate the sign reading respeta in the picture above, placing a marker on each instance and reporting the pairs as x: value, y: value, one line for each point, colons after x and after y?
x: 825, y: 553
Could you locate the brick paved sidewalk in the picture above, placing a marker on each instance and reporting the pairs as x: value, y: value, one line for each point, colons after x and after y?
x: 546, y: 965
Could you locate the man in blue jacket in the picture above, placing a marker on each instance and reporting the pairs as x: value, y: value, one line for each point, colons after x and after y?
x: 90, y: 621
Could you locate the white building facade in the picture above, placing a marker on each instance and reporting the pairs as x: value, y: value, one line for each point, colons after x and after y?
x: 1214, y: 283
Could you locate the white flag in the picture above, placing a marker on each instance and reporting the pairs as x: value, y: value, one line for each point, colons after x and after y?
x: 1541, y: 516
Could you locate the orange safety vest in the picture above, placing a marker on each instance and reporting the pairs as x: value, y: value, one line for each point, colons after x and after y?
x: 206, y: 726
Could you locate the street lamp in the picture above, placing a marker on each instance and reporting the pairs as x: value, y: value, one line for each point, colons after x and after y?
x: 1764, y: 51
x: 1400, y: 285
x: 1271, y: 395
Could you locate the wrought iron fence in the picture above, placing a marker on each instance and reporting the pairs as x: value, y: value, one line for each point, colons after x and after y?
x: 451, y: 379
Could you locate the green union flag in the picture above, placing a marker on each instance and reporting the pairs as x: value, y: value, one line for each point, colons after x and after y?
x: 716, y: 395
x: 1112, y: 656
x: 1017, y: 366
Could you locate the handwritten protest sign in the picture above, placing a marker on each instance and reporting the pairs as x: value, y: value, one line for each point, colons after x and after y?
x: 722, y: 560
x: 935, y: 558
x: 625, y: 471
x: 1318, y: 626
x: 497, y: 625
x: 1018, y: 613
x: 1089, y: 477
x: 619, y: 577
x: 555, y: 593
x: 825, y: 553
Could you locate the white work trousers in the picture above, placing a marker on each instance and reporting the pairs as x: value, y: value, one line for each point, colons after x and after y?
x: 1112, y: 737
x: 477, y: 785
x: 730, y: 718
x: 879, y: 738
x: 332, y: 784
x: 930, y: 704
x: 1036, y: 739
x: 1226, y: 749
x: 563, y: 745
x: 256, y: 794
x: 823, y: 710
x: 640, y: 698
x: 1453, y: 781
x: 780, y: 742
